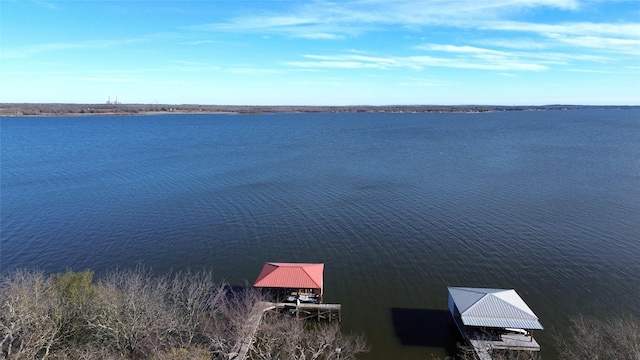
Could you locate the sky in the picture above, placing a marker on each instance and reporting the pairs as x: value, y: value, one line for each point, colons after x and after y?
x: 345, y: 52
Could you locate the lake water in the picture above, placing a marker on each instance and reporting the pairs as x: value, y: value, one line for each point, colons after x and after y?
x: 397, y: 206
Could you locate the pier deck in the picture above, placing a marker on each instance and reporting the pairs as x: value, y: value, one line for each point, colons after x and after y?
x: 483, y: 343
x: 306, y: 311
x: 483, y: 348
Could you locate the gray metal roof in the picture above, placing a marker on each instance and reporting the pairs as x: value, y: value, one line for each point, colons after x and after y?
x: 502, y: 308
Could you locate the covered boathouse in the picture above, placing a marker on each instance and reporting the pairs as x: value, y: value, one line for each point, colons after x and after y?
x: 293, y: 281
x: 493, y: 319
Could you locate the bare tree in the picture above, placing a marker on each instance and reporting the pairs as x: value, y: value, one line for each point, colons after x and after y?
x: 194, y: 353
x: 284, y: 337
x: 227, y: 326
x: 194, y: 298
x: 599, y: 339
x: 31, y: 316
x: 129, y: 313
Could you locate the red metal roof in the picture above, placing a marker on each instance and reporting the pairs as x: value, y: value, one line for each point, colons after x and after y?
x: 291, y: 276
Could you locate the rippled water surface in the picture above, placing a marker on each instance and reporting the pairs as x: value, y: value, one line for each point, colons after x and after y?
x: 398, y: 207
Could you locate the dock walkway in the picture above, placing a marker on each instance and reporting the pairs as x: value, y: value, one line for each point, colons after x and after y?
x: 321, y: 311
x: 250, y: 327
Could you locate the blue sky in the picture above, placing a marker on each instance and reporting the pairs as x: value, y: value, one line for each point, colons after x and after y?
x: 369, y: 52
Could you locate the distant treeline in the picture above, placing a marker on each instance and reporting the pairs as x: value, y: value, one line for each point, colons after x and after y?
x: 133, y: 314
x: 28, y: 109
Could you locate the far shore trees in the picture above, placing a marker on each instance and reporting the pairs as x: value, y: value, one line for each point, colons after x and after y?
x: 133, y: 314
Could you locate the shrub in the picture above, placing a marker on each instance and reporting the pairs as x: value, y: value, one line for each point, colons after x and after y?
x: 76, y: 288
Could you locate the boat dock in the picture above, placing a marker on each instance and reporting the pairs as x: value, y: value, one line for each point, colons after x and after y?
x: 303, y: 285
x: 493, y: 319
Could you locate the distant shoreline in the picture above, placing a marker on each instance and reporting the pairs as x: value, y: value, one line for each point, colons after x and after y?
x: 113, y: 109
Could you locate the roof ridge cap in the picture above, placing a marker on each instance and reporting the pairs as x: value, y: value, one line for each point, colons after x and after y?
x: 477, y: 301
x: 519, y: 310
x: 309, y: 275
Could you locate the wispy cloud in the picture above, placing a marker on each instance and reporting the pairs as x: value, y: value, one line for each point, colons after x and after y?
x: 100, y: 79
x: 627, y: 46
x: 481, y: 59
x: 621, y: 30
x: 247, y: 70
x: 496, y: 56
x: 470, y: 50
x: 187, y: 66
x: 590, y: 71
x: 424, y: 83
x: 343, y: 19
x: 44, y: 4
x: 616, y: 38
x: 32, y: 50
x: 516, y: 44
x: 291, y: 26
x: 451, y: 56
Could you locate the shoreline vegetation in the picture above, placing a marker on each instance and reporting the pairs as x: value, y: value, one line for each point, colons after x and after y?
x: 63, y: 109
x: 135, y: 314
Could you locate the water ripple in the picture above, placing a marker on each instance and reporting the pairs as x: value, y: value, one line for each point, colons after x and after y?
x: 398, y: 206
